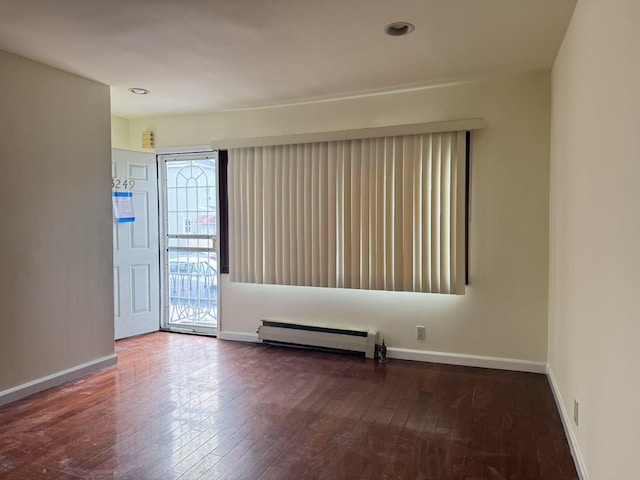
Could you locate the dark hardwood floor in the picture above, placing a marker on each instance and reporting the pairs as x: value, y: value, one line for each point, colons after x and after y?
x: 187, y: 407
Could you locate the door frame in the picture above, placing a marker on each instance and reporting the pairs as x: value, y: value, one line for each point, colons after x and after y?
x: 162, y: 159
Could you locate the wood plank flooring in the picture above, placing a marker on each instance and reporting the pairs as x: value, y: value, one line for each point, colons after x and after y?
x: 187, y: 407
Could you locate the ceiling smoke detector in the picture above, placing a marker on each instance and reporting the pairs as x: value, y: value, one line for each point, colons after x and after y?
x: 397, y: 29
x: 139, y: 91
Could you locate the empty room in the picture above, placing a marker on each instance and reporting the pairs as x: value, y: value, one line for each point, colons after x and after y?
x: 319, y: 240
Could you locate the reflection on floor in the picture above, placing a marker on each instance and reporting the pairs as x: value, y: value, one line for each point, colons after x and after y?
x: 180, y: 406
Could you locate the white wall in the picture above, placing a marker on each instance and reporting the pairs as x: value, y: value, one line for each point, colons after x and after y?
x: 56, y: 282
x: 504, y: 313
x: 594, y: 321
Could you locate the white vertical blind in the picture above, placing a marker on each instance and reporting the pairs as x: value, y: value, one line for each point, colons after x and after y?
x: 376, y: 213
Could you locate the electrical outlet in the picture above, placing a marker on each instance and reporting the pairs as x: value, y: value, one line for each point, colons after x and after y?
x: 575, y: 411
x: 420, y: 332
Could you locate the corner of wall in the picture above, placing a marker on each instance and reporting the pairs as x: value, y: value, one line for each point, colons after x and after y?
x: 120, y: 132
x: 566, y: 424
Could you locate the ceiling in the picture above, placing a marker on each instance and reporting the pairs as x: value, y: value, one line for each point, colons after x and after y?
x: 206, y: 55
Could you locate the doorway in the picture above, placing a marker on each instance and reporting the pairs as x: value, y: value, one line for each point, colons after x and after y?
x: 188, y: 242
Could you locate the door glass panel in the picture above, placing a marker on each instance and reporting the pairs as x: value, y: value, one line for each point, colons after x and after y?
x: 191, y: 197
x: 191, y: 267
x: 193, y: 287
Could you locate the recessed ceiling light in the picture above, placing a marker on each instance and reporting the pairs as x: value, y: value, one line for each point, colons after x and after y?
x: 397, y: 29
x: 139, y: 91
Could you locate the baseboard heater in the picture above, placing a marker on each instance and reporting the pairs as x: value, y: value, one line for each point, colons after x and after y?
x: 293, y: 334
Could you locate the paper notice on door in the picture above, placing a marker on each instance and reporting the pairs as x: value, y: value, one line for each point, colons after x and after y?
x: 123, y: 207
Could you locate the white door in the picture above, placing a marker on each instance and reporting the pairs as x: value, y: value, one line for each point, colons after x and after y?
x: 136, y: 261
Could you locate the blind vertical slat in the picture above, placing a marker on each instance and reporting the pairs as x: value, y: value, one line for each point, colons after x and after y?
x: 276, y: 219
x: 284, y: 208
x: 230, y: 208
x: 323, y: 208
x: 427, y: 171
x: 365, y: 216
x: 346, y: 215
x: 435, y: 214
x: 299, y: 231
x: 281, y: 217
x: 244, y: 165
x: 417, y: 215
x: 246, y: 232
x: 304, y: 250
x: 398, y: 213
x: 354, y: 224
x: 292, y: 205
x: 314, y: 178
x: 453, y: 193
x: 290, y: 247
x: 269, y: 216
x: 408, y: 145
x: 372, y: 259
x: 373, y: 209
x: 247, y: 226
x: 445, y: 225
x: 380, y: 219
x: 310, y: 211
x: 388, y: 214
x: 459, y: 211
x: 231, y: 193
x: 258, y: 248
x: 234, y: 217
x: 242, y: 233
x: 286, y: 215
x: 307, y: 196
x: 339, y: 252
x: 332, y: 214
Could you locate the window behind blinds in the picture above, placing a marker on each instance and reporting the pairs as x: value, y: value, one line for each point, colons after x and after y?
x: 378, y: 213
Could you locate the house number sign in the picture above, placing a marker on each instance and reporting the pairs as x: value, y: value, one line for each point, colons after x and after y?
x: 122, y: 183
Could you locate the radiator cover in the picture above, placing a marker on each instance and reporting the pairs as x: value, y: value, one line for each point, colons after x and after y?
x: 318, y: 336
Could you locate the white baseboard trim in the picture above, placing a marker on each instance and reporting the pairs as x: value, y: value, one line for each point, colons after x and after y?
x: 566, y: 423
x: 427, y: 356
x: 239, y: 336
x: 55, y: 379
x: 467, y: 360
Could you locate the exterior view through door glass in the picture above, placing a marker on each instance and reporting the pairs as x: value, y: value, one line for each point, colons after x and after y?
x: 189, y: 243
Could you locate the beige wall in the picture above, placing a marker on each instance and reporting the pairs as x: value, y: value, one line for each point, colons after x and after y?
x: 594, y: 326
x: 56, y: 282
x: 120, y: 133
x: 504, y: 312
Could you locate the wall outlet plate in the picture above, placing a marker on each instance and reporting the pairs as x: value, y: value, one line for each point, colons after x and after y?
x: 420, y: 332
x: 575, y: 411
